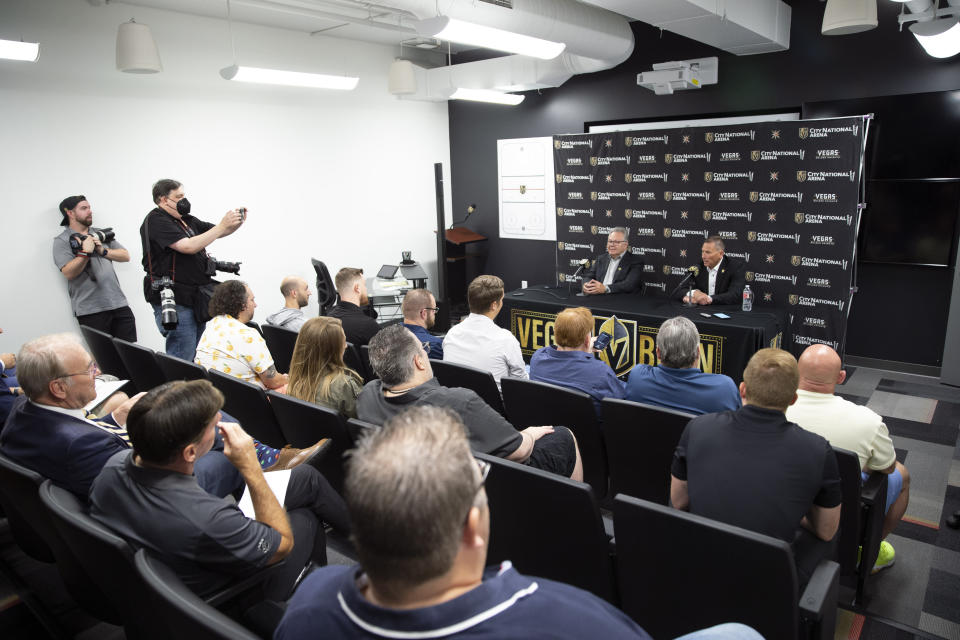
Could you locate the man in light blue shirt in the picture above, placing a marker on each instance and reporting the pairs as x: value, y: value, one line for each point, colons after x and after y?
x: 677, y: 382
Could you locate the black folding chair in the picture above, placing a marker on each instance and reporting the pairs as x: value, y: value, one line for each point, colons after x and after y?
x: 358, y: 428
x: 174, y: 368
x: 141, y: 363
x: 104, y: 352
x: 451, y: 374
x: 531, y: 403
x: 304, y: 423
x: 548, y: 526
x: 351, y: 358
x: 280, y: 342
x: 365, y: 359
x: 29, y: 522
x: 254, y: 325
x: 248, y: 403
x: 640, y: 441
x: 679, y: 572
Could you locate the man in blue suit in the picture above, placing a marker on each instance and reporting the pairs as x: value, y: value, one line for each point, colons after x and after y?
x: 49, y: 431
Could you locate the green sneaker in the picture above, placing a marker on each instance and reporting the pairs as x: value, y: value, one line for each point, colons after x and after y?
x: 885, y: 558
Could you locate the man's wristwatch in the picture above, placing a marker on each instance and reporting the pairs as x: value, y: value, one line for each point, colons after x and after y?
x: 103, y: 251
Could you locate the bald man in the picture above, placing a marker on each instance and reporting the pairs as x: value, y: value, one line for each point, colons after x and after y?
x: 853, y: 427
x: 296, y: 295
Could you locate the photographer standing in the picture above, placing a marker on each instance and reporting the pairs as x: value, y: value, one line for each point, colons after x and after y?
x: 84, y: 254
x: 175, y: 261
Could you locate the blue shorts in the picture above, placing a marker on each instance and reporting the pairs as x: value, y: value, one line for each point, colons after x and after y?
x: 894, y: 487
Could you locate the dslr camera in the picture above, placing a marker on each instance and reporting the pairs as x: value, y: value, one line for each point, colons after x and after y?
x: 168, y: 305
x: 214, y: 265
x: 105, y: 236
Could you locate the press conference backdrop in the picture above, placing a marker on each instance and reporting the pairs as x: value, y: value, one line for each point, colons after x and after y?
x: 786, y: 198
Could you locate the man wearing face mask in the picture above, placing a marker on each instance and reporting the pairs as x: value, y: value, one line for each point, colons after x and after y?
x: 174, y: 246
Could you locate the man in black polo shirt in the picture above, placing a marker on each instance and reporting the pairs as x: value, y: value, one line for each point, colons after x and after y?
x: 174, y: 246
x: 754, y: 469
x: 352, y: 307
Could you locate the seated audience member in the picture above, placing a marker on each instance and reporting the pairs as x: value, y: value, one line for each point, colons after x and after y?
x: 230, y: 346
x: 753, y: 469
x: 478, y: 342
x: 419, y: 315
x: 296, y: 295
x: 677, y: 382
x: 618, y: 270
x: 359, y: 320
x: 150, y: 497
x: 571, y: 363
x: 429, y: 581
x: 9, y: 387
x: 406, y: 379
x: 852, y: 427
x: 317, y: 371
x: 50, y: 433
x: 720, y: 279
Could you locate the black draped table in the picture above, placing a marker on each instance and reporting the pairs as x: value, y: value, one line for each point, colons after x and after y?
x: 725, y: 344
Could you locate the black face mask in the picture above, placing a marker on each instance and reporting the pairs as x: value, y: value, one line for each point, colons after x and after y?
x: 183, y: 206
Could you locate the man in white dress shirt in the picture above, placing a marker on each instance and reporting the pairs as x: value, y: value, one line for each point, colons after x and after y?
x: 721, y: 279
x: 477, y: 341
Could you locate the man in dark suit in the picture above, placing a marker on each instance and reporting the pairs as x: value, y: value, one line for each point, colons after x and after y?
x: 49, y: 431
x: 617, y: 270
x: 720, y: 279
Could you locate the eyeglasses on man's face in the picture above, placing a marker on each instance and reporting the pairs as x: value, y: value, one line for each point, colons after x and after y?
x: 92, y: 371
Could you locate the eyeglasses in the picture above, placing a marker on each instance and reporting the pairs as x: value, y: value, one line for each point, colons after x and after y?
x: 615, y: 241
x: 92, y: 370
x: 484, y: 468
x: 434, y: 309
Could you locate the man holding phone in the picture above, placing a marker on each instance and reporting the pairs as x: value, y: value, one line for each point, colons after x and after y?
x: 570, y: 361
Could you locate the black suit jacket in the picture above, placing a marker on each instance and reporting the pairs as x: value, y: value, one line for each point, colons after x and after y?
x: 730, y: 281
x: 627, y: 279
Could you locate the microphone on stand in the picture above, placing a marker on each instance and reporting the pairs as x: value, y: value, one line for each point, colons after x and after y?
x: 583, y: 265
x: 692, y: 272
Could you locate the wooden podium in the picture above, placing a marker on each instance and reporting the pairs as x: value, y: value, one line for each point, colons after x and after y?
x: 455, y: 264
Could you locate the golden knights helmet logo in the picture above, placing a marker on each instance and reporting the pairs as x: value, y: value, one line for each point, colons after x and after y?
x: 666, y: 269
x: 560, y: 212
x: 628, y: 178
x: 707, y: 215
x: 620, y: 353
x: 667, y: 232
x: 754, y: 155
x: 563, y: 277
x: 751, y: 236
x: 796, y: 260
x: 523, y: 189
x: 668, y: 195
x: 628, y: 213
x: 748, y: 276
x: 560, y: 246
x: 559, y: 178
x: 668, y: 158
x: 804, y: 132
x: 754, y: 196
x: 708, y: 136
x: 708, y: 176
x: 556, y: 144
x: 593, y: 195
x: 794, y: 298
x: 798, y: 218
x: 593, y: 161
x: 628, y: 141
x: 801, y: 176
x: 593, y: 229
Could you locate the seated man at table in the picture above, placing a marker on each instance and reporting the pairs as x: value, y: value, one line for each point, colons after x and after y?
x: 720, y: 279
x: 419, y: 315
x: 353, y: 309
x: 406, y: 379
x: 570, y: 362
x: 230, y: 346
x: 852, y: 427
x: 617, y: 270
x: 752, y: 468
x: 677, y: 382
x: 477, y: 341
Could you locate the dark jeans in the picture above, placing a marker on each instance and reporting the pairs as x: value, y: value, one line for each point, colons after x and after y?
x: 119, y: 323
x: 554, y: 452
x: 182, y: 341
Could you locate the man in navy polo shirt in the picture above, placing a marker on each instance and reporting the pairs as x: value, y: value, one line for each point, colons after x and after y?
x: 419, y: 315
x: 677, y: 382
x: 421, y: 531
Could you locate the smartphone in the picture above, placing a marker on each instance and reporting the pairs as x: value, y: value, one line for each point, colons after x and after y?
x: 602, y: 341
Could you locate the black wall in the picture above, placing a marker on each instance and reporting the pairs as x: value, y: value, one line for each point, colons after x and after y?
x: 815, y: 68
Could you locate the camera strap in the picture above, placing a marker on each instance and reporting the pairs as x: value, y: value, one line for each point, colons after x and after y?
x: 173, y: 266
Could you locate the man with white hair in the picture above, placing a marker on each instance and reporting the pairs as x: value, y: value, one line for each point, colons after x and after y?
x: 617, y: 270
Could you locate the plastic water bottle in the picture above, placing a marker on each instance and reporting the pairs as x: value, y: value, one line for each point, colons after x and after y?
x: 747, y: 299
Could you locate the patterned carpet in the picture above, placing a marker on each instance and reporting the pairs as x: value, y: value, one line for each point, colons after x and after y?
x: 922, y: 589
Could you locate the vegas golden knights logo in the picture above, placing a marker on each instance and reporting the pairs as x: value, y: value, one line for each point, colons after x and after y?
x: 628, y: 141
x: 593, y: 161
x: 751, y: 236
x: 668, y: 158
x: 796, y: 260
x: 798, y: 218
x: 794, y: 298
x: 801, y: 176
x: 560, y: 212
x: 593, y: 195
x: 620, y: 354
x: 707, y: 215
x: 556, y: 144
x: 754, y: 196
x: 748, y: 276
x: 628, y: 178
x: 523, y: 189
x: 593, y: 229
x: 708, y: 176
x: 666, y: 269
x: 754, y: 155
x: 560, y: 246
x: 628, y: 213
x: 563, y: 277
x: 667, y: 232
x: 804, y: 132
x: 708, y: 136
x: 559, y: 178
x: 668, y: 195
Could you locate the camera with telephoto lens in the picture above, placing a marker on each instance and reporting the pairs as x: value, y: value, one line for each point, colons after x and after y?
x: 214, y: 265
x: 168, y: 305
x: 105, y: 236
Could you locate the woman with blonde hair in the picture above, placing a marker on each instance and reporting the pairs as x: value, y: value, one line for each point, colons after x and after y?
x: 317, y: 371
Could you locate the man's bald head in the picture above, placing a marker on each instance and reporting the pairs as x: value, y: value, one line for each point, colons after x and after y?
x: 820, y: 369
x: 295, y: 291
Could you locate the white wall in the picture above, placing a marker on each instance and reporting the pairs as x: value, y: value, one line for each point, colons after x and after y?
x: 346, y: 177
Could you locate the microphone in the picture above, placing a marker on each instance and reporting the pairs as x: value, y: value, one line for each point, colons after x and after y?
x: 583, y: 265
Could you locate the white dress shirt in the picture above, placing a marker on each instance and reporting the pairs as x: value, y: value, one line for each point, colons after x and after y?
x: 478, y: 342
x: 612, y: 270
x: 712, y: 280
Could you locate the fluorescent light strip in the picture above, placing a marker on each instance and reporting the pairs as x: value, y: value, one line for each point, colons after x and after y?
x: 937, y: 37
x: 486, y: 95
x: 290, y: 78
x: 477, y: 35
x: 14, y: 50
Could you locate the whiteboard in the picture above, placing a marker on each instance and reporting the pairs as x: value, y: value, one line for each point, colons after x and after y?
x: 525, y: 192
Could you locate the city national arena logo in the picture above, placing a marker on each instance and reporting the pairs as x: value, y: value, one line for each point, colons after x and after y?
x: 708, y: 137
x: 668, y: 195
x: 751, y: 236
x: 708, y: 176
x: 628, y: 178
x: 593, y: 229
x: 666, y: 269
x: 793, y: 298
x: 628, y: 141
x: 556, y: 144
x: 798, y: 218
x: 796, y: 260
x: 593, y: 161
x: 668, y: 158
x: 667, y: 232
x: 801, y: 176
x: 748, y: 276
x: 804, y: 133
x: 560, y: 246
x: 754, y: 155
x: 593, y: 195
x: 754, y: 196
x: 559, y: 178
x: 559, y: 212
x: 620, y: 354
x: 707, y: 215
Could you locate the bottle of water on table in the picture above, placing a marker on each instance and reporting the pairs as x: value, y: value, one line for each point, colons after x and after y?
x: 747, y: 298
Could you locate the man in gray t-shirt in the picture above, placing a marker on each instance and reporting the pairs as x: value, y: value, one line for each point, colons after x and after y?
x: 95, y: 294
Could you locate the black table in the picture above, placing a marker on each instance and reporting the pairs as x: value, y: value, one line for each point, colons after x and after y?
x: 725, y: 345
